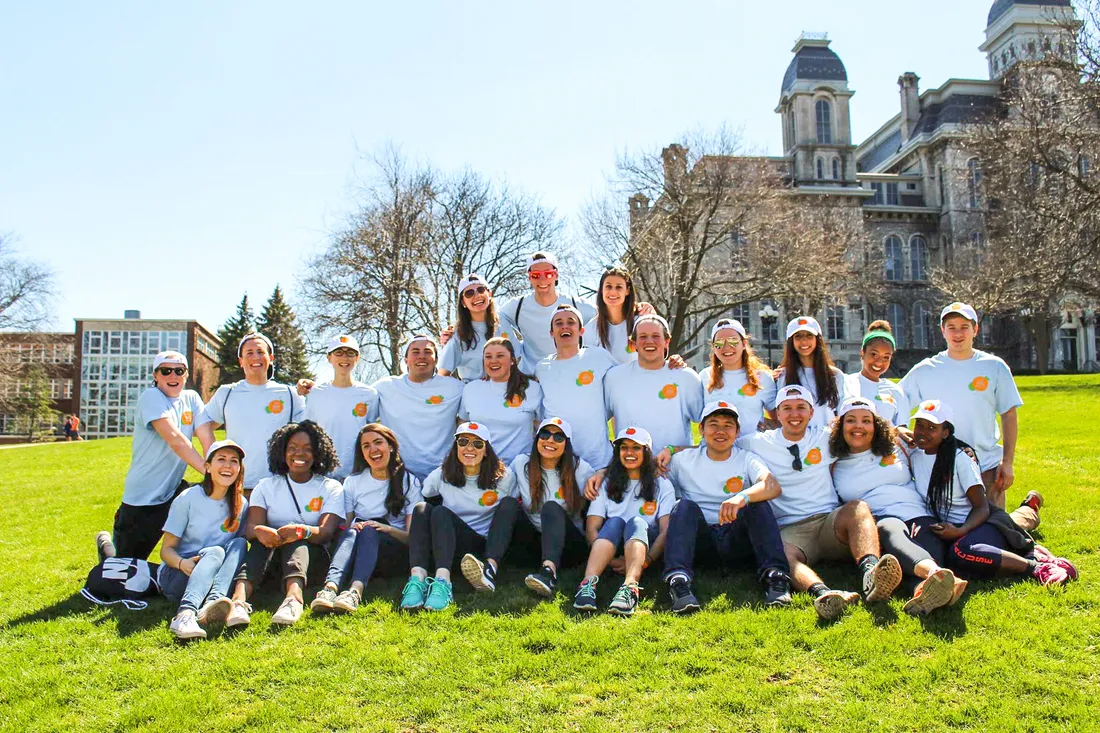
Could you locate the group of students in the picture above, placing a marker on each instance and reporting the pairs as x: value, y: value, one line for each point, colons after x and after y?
x: 495, y: 450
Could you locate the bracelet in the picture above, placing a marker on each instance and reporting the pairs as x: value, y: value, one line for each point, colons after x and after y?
x: 309, y: 532
x: 671, y: 449
x: 745, y: 495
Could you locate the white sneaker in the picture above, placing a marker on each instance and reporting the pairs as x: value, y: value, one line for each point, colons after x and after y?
x: 215, y: 612
x: 240, y: 615
x: 290, y: 610
x: 186, y: 626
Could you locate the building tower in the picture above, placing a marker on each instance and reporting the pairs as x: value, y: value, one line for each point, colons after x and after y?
x: 1019, y: 30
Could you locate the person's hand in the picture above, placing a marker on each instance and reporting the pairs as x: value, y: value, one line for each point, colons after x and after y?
x: 445, y: 335
x: 268, y: 537
x: 644, y: 309
x: 675, y: 361
x: 663, y: 459
x: 187, y: 565
x: 592, y: 485
x: 379, y: 526
x: 729, y: 508
x: 1005, y: 477
x: 360, y: 525
x: 304, y: 386
x: 292, y: 533
x: 946, y: 531
x: 905, y: 437
x: 619, y: 565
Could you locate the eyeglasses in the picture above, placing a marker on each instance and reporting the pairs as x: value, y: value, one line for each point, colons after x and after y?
x: 793, y: 450
x: 471, y: 292
x: 723, y: 343
x: 344, y: 352
x: 464, y: 441
x: 178, y: 371
x: 557, y: 437
x: 547, y: 274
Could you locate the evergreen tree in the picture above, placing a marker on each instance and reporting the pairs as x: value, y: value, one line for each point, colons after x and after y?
x: 279, y: 324
x: 33, y: 406
x: 243, y: 321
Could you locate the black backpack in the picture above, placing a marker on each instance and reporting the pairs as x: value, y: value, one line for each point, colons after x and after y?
x: 122, y: 580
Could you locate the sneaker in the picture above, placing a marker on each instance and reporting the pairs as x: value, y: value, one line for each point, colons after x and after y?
x: 958, y: 590
x: 625, y: 600
x: 683, y: 600
x: 215, y: 611
x: 831, y: 603
x: 323, y: 601
x: 585, y: 600
x: 1034, y: 500
x: 1049, y: 574
x: 777, y: 589
x: 880, y: 581
x: 542, y: 582
x: 104, y: 545
x: 935, y: 591
x: 440, y: 595
x: 481, y: 575
x: 346, y: 602
x: 1043, y: 555
x: 413, y: 594
x: 290, y: 610
x: 186, y: 626
x: 240, y: 615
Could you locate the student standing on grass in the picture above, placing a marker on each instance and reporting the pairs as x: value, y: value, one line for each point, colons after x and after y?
x: 341, y: 406
x: 724, y: 516
x: 531, y: 314
x: 162, y: 449
x: 202, y: 547
x: 252, y: 409
x: 813, y: 524
x: 420, y: 407
x: 379, y: 497
x: 806, y: 362
x: 737, y: 376
x: 292, y: 516
x: 506, y: 401
x: 949, y: 481
x: 630, y: 511
x: 616, y: 309
x: 871, y: 467
x: 478, y: 321
x: 875, y: 356
x: 979, y: 387
x: 475, y: 515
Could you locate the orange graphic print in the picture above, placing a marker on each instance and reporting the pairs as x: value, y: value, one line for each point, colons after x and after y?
x: 734, y: 485
x: 980, y: 384
x: 630, y: 348
x: 488, y: 498
x: 813, y: 457
x: 473, y: 426
x: 360, y: 409
x: 885, y: 398
x: 274, y: 407
x: 343, y: 339
x: 229, y: 526
x: 803, y: 322
x: 648, y: 509
x: 747, y: 390
x: 435, y: 399
x: 513, y: 401
x: 314, y: 504
x: 928, y: 407
x: 187, y: 418
x: 585, y: 378
x: 504, y: 335
x: 558, y: 494
x: 888, y: 460
x: 631, y: 431
x: 667, y: 392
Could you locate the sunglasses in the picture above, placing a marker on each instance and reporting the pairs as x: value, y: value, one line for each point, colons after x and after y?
x: 547, y: 274
x: 178, y: 371
x: 554, y: 435
x: 723, y: 343
x: 471, y: 292
x: 793, y: 450
x: 344, y: 352
x: 464, y: 441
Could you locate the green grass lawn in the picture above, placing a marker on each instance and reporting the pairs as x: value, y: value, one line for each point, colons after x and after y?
x: 1011, y: 656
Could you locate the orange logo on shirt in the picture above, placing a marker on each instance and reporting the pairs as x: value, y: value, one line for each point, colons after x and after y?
x: 888, y: 460
x: 360, y: 409
x: 274, y: 407
x: 734, y: 485
x: 813, y: 457
x: 504, y: 335
x: 885, y: 398
x: 186, y: 418
x: 630, y: 348
x: 648, y: 509
x: 513, y: 401
x: 436, y: 399
x: 747, y: 391
x: 585, y: 378
x: 667, y: 392
x: 229, y: 526
x: 488, y: 498
x: 314, y: 504
x: 980, y: 384
x: 558, y: 495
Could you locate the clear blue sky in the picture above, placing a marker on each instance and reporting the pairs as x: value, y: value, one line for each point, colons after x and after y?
x: 168, y: 157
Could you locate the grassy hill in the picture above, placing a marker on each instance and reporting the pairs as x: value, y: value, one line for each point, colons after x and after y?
x: 1011, y: 656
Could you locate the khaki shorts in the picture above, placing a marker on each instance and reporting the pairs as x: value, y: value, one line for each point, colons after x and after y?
x: 816, y: 537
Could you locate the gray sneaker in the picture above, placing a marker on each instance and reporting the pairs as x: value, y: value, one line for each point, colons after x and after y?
x: 323, y: 602
x: 346, y: 602
x: 625, y: 600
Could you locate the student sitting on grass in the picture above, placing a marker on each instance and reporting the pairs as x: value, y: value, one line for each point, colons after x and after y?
x: 202, y: 549
x: 475, y: 515
x: 629, y: 511
x: 379, y: 497
x: 294, y: 513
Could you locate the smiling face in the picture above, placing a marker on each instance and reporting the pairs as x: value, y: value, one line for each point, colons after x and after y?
x: 876, y: 358
x: 497, y: 362
x: 805, y: 343
x: 651, y: 343
x: 631, y: 456
x: 171, y: 384
x: 547, y: 446
x: 794, y: 416
x: 469, y: 455
x: 732, y: 349
x: 343, y: 360
x: 224, y: 467
x: 420, y: 360
x: 566, y: 329
x: 859, y: 430
x: 928, y: 435
x: 541, y: 284
x: 720, y: 430
x: 476, y: 298
x: 255, y: 359
x: 959, y: 332
x: 376, y: 450
x: 614, y: 292
x: 299, y: 454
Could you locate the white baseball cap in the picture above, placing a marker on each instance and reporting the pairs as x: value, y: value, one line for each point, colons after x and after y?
x: 219, y: 444
x: 959, y: 309
x: 793, y: 392
x: 341, y: 342
x: 544, y: 258
x: 719, y: 406
x: 728, y: 323
x: 638, y: 435
x: 803, y: 323
x: 935, y: 411
x: 169, y: 357
x: 419, y: 337
x: 474, y: 428
x: 557, y: 422
x: 255, y: 335
x: 856, y: 403
x: 568, y: 309
x: 652, y: 318
x: 469, y: 280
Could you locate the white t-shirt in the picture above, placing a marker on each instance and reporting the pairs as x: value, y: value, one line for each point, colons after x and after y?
x: 664, y: 401
x: 750, y: 402
x: 422, y: 415
x: 342, y: 411
x: 251, y: 414
x: 202, y: 522
x: 365, y: 497
x: 470, y: 503
x: 572, y: 389
x: 551, y: 488
x: 883, y: 482
x: 155, y: 470
x: 966, y: 475
x: 823, y: 414
x: 534, y: 325
x: 511, y: 423
x: 468, y: 363
x: 708, y: 482
x: 977, y: 389
x: 891, y: 404
x: 618, y: 340
x: 316, y: 497
x: 807, y: 492
x: 633, y: 505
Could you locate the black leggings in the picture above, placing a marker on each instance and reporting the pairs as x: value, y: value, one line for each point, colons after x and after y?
x: 562, y: 543
x: 437, y: 534
x: 977, y: 554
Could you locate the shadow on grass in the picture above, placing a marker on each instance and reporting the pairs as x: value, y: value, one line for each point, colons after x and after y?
x: 126, y: 621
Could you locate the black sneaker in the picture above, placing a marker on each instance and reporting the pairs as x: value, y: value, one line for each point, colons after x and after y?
x: 777, y: 589
x: 104, y: 545
x: 683, y: 600
x: 482, y: 575
x: 542, y: 582
x: 585, y: 600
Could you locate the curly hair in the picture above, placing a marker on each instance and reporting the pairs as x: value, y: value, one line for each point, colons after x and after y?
x: 492, y: 468
x: 396, y: 497
x: 882, y: 442
x: 325, y: 459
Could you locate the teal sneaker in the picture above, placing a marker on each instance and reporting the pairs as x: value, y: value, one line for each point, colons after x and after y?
x: 414, y: 594
x: 440, y: 595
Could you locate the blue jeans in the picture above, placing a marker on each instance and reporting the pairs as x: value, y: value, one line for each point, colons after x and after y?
x: 366, y: 552
x: 209, y: 581
x: 692, y: 542
x: 619, y: 531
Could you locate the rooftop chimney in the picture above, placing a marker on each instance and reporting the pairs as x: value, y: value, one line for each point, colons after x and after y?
x: 909, y: 90
x: 675, y: 162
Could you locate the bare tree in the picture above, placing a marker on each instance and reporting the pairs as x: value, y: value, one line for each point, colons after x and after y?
x: 26, y: 290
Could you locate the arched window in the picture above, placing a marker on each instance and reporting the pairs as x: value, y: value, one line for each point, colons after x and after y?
x: 918, y: 258
x: 973, y: 181
x: 824, y: 112
x: 895, y: 314
x: 923, y: 326
x: 836, y: 169
x: 895, y: 265
x: 820, y: 169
